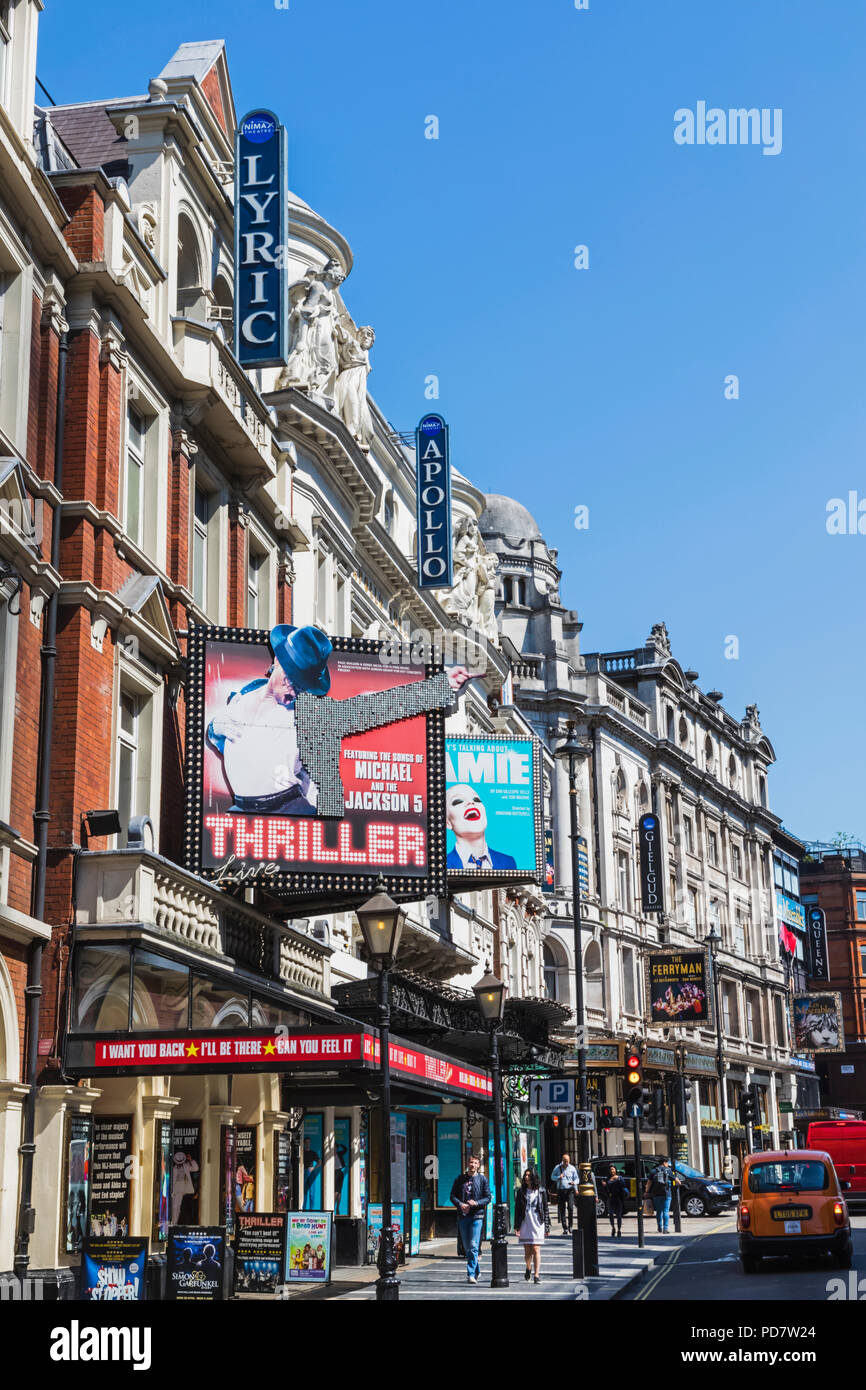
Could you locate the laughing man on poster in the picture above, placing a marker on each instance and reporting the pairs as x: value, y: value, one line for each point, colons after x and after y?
x: 467, y: 818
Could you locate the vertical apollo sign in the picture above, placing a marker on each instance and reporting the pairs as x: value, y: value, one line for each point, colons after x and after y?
x: 433, y: 468
x: 651, y: 891
x: 261, y: 215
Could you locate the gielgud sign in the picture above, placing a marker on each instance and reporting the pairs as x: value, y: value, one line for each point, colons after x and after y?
x: 313, y: 764
x: 677, y: 987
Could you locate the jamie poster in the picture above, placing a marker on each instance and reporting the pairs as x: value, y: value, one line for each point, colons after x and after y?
x: 112, y: 1269
x: 259, y: 1242
x: 308, y: 1246
x: 309, y: 760
x: 818, y: 1022
x: 677, y: 987
x: 195, y: 1263
x: 493, y: 809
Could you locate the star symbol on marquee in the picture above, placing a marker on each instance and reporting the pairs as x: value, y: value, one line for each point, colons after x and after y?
x: 192, y: 1050
x: 270, y: 1050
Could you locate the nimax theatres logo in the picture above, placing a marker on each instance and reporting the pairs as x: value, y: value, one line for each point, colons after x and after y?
x: 736, y: 126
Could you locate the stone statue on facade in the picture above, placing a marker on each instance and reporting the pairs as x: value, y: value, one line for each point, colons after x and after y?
x: 315, y: 311
x: 471, y: 600
x: 353, y: 355
x: 659, y: 638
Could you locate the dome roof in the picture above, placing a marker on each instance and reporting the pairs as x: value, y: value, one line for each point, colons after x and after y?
x: 502, y: 516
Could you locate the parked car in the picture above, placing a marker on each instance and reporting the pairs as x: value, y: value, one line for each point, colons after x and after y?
x: 699, y: 1195
x: 791, y: 1203
x: 845, y: 1142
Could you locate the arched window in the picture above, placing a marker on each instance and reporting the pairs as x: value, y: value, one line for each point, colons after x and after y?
x: 556, y: 970
x: 669, y: 724
x: 621, y: 792
x: 593, y: 974
x: 709, y: 755
x: 643, y: 798
x: 222, y: 309
x: 732, y: 771
x: 684, y: 732
x: 189, y: 265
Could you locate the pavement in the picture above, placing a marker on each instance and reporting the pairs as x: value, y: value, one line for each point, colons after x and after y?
x: 438, y: 1274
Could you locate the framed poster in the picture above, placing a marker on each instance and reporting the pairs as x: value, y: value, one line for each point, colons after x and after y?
x: 195, y: 1263
x: 259, y: 1251
x: 162, y: 1170
x: 185, y: 1172
x: 449, y: 1158
x: 399, y: 1144
x: 374, y: 1230
x: 312, y: 1148
x: 818, y: 1022
x: 314, y: 763
x: 228, y: 1168
x: 111, y: 1175
x: 308, y: 1246
x: 79, y: 1139
x: 415, y: 1227
x: 677, y: 988
x: 282, y: 1170
x: 493, y: 810
x: 245, y: 1167
x: 113, y: 1269
x: 342, y: 1163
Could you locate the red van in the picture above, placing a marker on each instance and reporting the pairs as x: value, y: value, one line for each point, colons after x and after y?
x: 845, y: 1142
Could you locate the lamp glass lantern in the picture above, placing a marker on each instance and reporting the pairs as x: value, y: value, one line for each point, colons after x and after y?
x: 490, y: 998
x: 381, y: 921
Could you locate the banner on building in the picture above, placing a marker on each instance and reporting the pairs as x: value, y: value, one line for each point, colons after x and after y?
x: 433, y: 503
x: 78, y: 1164
x: 415, y: 1226
x: 282, y: 1170
x: 111, y: 1175
x: 259, y: 1251
x: 185, y: 1172
x: 819, y: 964
x: 162, y: 1169
x: 308, y: 1247
x: 245, y: 1167
x: 493, y: 810
x: 818, y: 1022
x: 652, y: 895
x: 790, y: 919
x: 677, y: 987
x: 195, y: 1264
x: 261, y: 314
x: 549, y: 861
x: 228, y: 1168
x: 312, y: 1160
x: 113, y: 1269
x: 342, y: 1163
x: 314, y: 764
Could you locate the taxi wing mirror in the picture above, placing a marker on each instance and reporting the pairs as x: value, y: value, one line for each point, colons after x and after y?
x: 845, y: 1185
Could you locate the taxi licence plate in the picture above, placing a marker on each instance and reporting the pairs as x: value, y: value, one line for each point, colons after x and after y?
x: 792, y: 1228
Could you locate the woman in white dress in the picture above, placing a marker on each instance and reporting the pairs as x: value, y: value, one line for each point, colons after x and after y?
x: 532, y: 1221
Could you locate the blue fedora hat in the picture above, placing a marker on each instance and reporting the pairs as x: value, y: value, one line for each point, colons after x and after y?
x: 303, y: 654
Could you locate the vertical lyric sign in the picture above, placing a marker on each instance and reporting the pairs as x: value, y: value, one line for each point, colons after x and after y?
x: 433, y: 483
x: 261, y: 216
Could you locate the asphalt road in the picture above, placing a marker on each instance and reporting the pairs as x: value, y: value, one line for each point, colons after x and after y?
x: 708, y: 1270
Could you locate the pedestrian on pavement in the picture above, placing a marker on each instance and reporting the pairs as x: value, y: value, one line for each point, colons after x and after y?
x: 470, y: 1194
x: 565, y: 1179
x: 659, y: 1187
x: 615, y: 1192
x: 532, y: 1220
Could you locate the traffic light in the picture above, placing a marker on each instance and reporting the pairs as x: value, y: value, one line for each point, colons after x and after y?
x: 748, y: 1113
x: 633, y: 1087
x: 658, y: 1106
x: 682, y: 1095
x: 605, y: 1117
x: 755, y: 1096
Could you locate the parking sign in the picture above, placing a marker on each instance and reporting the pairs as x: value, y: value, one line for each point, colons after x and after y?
x: 551, y: 1097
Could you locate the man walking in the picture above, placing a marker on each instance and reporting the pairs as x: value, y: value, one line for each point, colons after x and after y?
x: 660, y: 1188
x: 565, y: 1177
x: 470, y: 1194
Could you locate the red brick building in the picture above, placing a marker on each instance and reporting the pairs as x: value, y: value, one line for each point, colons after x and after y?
x: 834, y: 879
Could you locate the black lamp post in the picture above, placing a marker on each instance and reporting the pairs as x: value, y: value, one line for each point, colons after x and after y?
x: 571, y: 752
x: 713, y: 939
x: 490, y: 998
x: 381, y: 922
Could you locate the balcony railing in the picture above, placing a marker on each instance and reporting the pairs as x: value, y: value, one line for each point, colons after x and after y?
x: 119, y: 889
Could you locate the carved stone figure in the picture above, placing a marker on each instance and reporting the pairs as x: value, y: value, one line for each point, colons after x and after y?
x: 314, y: 315
x: 473, y: 596
x: 660, y: 639
x: 351, y: 392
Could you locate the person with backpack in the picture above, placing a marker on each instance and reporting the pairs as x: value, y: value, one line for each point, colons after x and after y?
x: 615, y: 1193
x: 659, y: 1187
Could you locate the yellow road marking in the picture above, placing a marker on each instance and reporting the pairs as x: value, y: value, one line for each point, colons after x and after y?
x: 671, y: 1260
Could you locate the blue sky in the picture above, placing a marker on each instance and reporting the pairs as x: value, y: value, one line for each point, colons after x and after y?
x: 602, y: 387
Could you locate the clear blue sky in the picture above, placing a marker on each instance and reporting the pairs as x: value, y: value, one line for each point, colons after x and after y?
x: 601, y: 387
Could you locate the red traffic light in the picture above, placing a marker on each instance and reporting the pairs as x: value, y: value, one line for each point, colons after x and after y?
x: 632, y: 1061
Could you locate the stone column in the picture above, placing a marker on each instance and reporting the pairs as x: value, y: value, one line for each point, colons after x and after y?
x: 12, y: 1094
x: 273, y: 1122
x: 211, y: 1168
x: 48, y: 1242
x: 328, y: 1159
x: 154, y: 1109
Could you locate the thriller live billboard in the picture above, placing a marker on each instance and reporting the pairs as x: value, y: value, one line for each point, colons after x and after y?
x: 314, y: 764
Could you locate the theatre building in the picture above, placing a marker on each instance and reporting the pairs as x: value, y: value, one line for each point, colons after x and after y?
x: 184, y: 1038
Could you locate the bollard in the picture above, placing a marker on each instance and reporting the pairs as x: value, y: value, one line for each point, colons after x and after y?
x: 577, y: 1267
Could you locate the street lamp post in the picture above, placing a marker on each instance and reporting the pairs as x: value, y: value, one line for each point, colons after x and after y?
x: 570, y: 752
x: 713, y: 939
x: 381, y: 922
x: 490, y: 998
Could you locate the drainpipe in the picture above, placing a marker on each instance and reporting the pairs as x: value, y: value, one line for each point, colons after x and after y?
x: 41, y: 816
